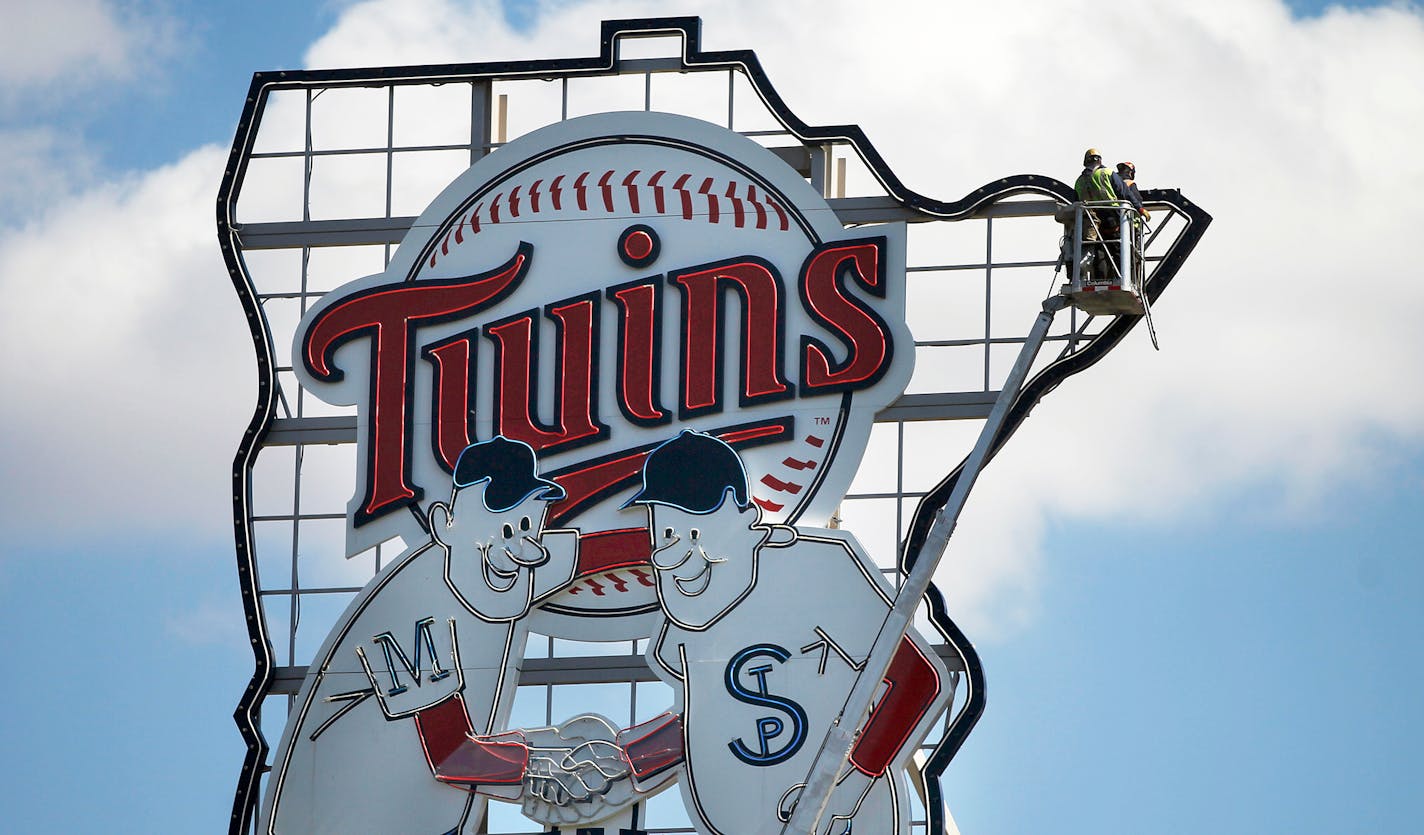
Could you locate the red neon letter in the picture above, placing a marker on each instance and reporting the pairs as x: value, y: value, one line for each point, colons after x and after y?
x: 390, y: 315
x: 763, y: 330
x: 575, y: 393
x: 638, y: 337
x: 454, y: 361
x: 852, y: 321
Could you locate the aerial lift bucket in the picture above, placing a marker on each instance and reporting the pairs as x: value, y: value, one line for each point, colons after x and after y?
x: 1106, y: 275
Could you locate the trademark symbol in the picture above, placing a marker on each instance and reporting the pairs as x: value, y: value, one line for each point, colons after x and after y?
x: 822, y: 421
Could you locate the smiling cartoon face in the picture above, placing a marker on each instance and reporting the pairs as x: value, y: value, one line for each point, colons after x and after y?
x: 491, y: 555
x: 705, y: 563
x: 505, y: 542
x: 492, y: 529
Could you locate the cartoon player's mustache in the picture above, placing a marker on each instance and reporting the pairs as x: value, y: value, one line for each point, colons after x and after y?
x: 500, y: 580
x: 496, y: 579
x: 541, y: 554
x: 696, y: 584
x: 653, y: 557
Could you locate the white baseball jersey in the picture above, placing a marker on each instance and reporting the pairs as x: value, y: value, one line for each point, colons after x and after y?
x: 760, y: 686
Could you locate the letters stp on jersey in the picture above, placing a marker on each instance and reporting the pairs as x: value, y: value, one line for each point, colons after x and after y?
x: 608, y: 387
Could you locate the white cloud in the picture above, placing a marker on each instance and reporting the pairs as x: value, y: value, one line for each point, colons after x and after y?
x: 40, y: 167
x: 57, y: 59
x: 1289, y: 338
x: 65, y: 45
x: 127, y: 371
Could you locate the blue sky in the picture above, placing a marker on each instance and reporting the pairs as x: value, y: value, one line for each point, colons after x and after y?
x: 1261, y: 680
x: 1227, y: 643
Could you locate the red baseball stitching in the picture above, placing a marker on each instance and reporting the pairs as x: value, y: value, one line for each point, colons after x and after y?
x: 780, y: 486
x: 508, y: 205
x: 619, y: 578
x: 791, y: 464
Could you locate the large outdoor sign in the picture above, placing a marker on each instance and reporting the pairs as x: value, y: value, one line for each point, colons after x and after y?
x: 609, y: 386
x: 603, y: 383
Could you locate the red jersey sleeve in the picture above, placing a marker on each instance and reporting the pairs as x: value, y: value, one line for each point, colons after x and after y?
x: 912, y: 686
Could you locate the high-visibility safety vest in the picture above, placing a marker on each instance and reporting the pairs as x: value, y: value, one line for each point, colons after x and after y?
x: 1095, y: 185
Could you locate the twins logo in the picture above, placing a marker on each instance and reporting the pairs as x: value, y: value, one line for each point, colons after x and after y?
x: 591, y: 288
x: 606, y: 388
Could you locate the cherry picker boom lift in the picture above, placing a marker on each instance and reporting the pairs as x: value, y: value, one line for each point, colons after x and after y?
x: 1120, y: 291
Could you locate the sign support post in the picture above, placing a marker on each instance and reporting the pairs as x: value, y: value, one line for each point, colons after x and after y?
x: 835, y: 748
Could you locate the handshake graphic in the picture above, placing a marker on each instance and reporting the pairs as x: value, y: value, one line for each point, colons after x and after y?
x: 574, y: 772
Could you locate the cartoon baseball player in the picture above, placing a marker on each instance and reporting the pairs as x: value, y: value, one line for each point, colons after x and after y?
x: 489, y: 562
x: 767, y: 629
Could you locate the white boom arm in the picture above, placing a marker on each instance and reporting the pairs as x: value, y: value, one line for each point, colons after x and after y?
x: 835, y: 748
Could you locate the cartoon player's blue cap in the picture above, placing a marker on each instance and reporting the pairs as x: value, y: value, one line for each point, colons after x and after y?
x: 692, y: 472
x: 509, y: 467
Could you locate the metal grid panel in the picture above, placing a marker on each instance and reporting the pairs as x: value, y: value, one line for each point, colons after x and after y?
x: 309, y: 222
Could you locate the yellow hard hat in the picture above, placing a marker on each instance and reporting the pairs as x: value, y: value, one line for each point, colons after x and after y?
x: 1090, y: 153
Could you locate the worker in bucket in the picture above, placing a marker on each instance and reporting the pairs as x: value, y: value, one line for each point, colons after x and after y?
x: 1127, y: 172
x: 1098, y: 184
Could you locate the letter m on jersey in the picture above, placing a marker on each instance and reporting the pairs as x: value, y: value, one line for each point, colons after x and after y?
x: 398, y: 660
